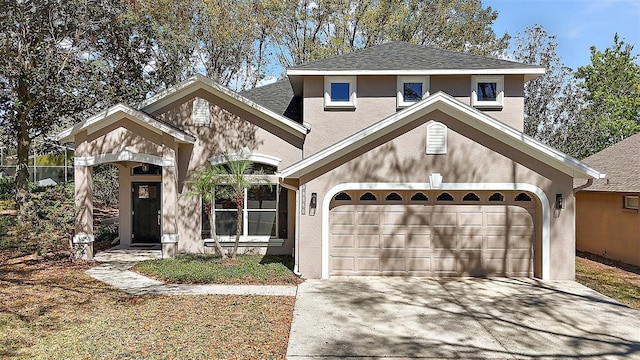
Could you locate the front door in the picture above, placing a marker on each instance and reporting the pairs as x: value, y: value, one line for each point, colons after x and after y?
x: 146, y: 212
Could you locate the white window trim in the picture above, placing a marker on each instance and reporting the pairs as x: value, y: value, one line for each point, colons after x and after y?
x: 438, y: 151
x: 424, y: 80
x: 627, y: 204
x: 351, y: 104
x: 499, y: 102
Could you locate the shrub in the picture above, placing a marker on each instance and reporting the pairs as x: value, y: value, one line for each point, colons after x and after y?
x: 7, y: 190
x: 105, y: 184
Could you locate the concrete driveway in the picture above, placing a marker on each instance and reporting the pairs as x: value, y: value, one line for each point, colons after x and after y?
x: 461, y: 318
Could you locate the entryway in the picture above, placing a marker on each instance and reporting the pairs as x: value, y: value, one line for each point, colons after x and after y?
x: 146, y: 212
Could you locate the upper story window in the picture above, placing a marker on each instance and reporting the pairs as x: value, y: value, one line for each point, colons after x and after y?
x: 412, y: 89
x: 631, y: 202
x: 340, y: 92
x: 487, y: 91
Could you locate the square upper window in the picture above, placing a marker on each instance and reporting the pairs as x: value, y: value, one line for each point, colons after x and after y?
x: 631, y: 202
x: 487, y: 91
x: 340, y: 92
x: 412, y: 89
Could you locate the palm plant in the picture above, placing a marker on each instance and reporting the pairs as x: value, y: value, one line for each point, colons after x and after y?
x: 235, y: 175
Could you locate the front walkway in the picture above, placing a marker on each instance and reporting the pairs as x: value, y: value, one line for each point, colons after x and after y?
x: 115, y: 271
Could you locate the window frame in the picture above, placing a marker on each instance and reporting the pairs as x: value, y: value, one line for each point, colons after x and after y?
x: 401, y: 80
x: 494, y: 104
x: 329, y: 103
x: 625, y: 202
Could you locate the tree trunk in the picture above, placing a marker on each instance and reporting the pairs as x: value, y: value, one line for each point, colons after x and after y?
x: 214, y: 236
x: 21, y: 181
x: 240, y: 206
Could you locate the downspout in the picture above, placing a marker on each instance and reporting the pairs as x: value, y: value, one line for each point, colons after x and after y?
x: 296, y: 246
x: 584, y: 186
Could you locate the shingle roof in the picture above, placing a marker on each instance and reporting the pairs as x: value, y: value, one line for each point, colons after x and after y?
x: 405, y: 56
x: 277, y: 97
x: 621, y: 163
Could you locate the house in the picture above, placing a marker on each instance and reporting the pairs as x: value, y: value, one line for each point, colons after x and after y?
x: 607, y: 219
x: 398, y: 159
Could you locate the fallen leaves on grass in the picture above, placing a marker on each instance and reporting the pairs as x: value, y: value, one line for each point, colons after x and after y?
x: 619, y: 284
x: 52, y: 310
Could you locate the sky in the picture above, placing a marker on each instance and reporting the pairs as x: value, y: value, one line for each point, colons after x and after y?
x: 577, y: 24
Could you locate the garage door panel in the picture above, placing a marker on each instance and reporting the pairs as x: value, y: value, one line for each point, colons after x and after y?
x: 369, y: 241
x: 432, y: 240
x: 419, y: 241
x: 371, y: 218
x: 393, y: 241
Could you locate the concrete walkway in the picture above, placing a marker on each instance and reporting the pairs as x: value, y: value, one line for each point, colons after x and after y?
x: 115, y: 271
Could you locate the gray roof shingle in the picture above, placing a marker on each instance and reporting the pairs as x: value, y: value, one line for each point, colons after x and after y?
x: 405, y: 56
x: 277, y: 97
x: 621, y: 163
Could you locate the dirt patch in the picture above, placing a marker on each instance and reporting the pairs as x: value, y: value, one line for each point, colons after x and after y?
x: 610, y: 278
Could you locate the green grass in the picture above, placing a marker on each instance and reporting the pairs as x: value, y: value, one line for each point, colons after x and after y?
x: 621, y: 285
x: 211, y: 269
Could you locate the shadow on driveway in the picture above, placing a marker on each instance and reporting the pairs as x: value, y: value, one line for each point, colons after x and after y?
x: 459, y: 318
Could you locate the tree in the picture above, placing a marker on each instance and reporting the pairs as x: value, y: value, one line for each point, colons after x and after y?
x: 66, y: 57
x: 552, y: 102
x: 313, y: 30
x: 612, y: 90
x: 225, y: 181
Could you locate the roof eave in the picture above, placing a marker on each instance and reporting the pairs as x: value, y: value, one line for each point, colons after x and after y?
x: 528, y: 72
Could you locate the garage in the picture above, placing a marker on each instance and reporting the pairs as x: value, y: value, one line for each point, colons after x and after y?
x: 432, y: 233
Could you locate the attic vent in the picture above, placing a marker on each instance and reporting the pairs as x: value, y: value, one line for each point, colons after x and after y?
x: 200, y: 115
x: 436, y: 138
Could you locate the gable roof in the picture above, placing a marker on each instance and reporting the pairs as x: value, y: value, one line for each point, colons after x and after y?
x: 200, y: 82
x: 116, y: 113
x: 621, y: 162
x: 401, y: 58
x: 447, y: 104
x: 277, y: 97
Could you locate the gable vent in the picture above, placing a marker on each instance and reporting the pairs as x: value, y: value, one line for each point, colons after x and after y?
x: 436, y: 138
x: 200, y: 114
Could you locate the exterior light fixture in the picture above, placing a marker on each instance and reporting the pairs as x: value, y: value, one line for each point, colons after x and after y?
x: 313, y: 204
x: 559, y: 202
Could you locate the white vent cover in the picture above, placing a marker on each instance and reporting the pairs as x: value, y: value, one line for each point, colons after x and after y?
x: 200, y: 114
x: 436, y: 138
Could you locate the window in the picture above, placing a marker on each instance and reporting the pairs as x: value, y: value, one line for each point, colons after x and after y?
x: 393, y: 197
x: 445, y: 197
x: 412, y: 89
x: 496, y: 197
x: 340, y: 92
x: 523, y: 197
x: 487, y: 91
x: 419, y: 197
x: 368, y: 197
x: 147, y: 169
x: 343, y: 196
x: 260, y: 207
x: 631, y: 202
x: 436, y: 138
x: 471, y: 197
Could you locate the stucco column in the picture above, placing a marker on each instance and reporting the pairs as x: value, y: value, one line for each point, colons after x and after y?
x: 83, y: 238
x: 169, y: 203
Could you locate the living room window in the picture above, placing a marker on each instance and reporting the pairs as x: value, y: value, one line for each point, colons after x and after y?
x: 340, y: 92
x: 631, y: 202
x: 487, y: 91
x: 411, y: 89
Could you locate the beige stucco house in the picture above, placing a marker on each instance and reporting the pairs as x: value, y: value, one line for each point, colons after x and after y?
x: 607, y: 218
x: 393, y: 160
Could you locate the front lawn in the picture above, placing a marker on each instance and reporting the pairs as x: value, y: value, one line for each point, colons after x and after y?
x: 616, y: 280
x: 50, y: 309
x: 212, y: 269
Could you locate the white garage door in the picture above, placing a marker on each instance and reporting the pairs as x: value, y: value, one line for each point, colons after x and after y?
x: 428, y: 233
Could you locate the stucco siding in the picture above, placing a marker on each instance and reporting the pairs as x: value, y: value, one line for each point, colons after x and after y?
x: 605, y: 228
x: 471, y: 158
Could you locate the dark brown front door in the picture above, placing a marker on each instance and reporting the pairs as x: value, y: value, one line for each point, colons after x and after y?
x: 146, y: 212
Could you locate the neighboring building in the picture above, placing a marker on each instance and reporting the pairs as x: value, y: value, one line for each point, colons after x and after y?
x: 393, y: 160
x: 607, y: 219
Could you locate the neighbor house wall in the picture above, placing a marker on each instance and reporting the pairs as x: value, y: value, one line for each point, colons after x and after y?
x: 471, y: 158
x: 604, y: 227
